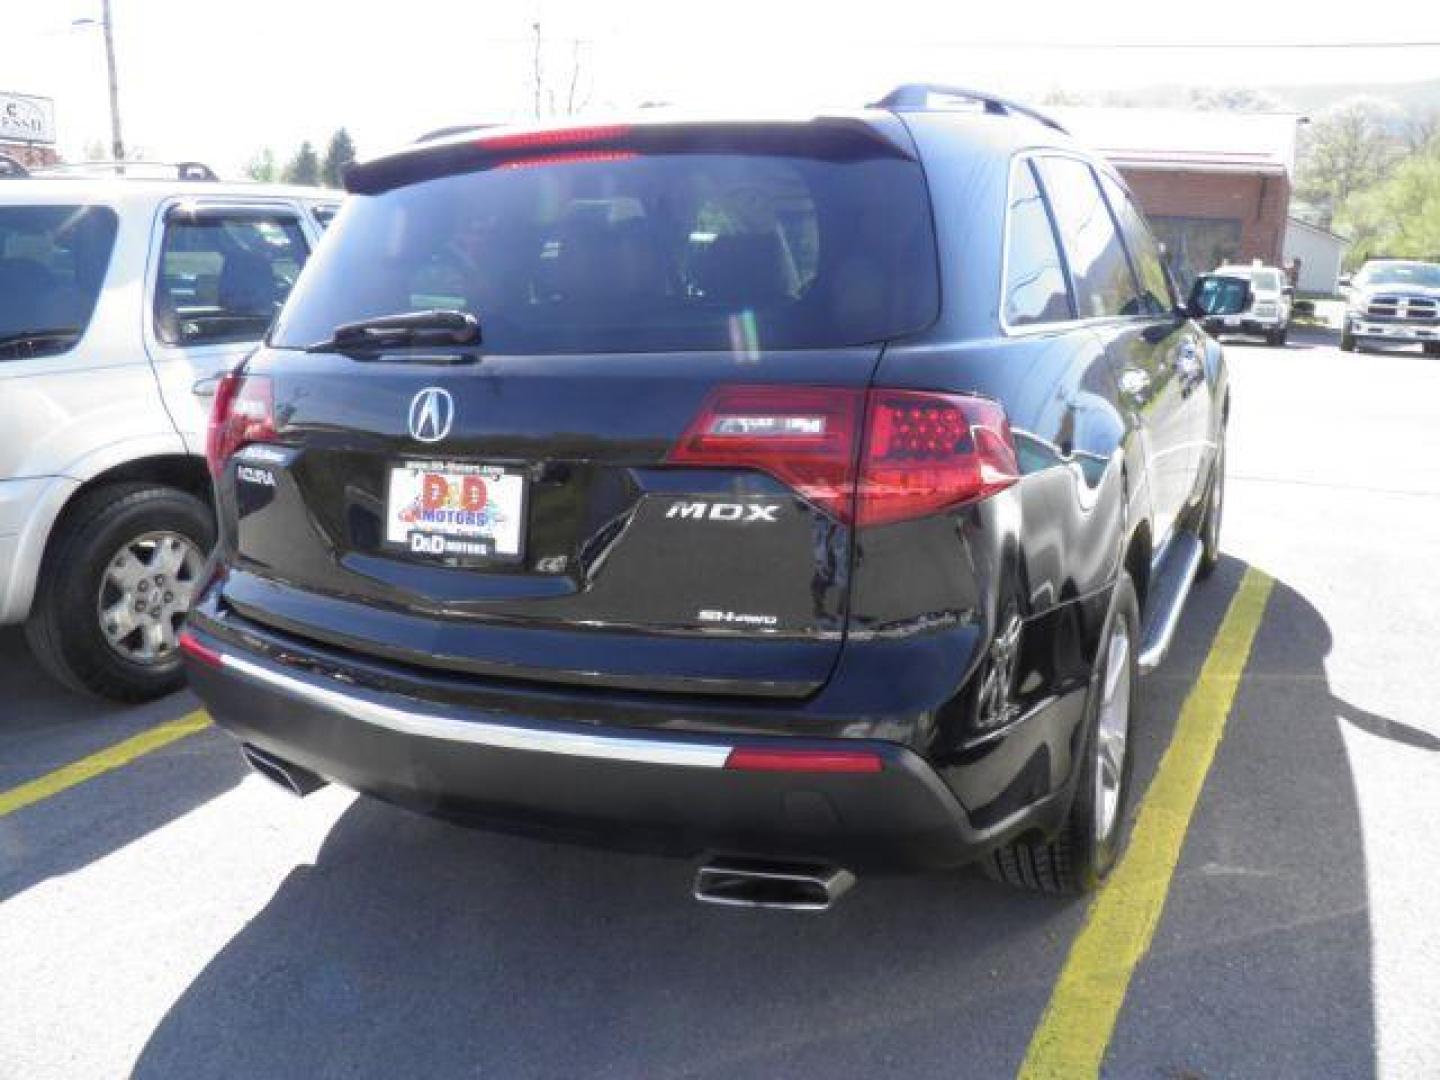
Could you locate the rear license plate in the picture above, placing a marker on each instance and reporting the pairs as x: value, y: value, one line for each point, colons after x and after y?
x: 450, y: 509
x: 1233, y: 320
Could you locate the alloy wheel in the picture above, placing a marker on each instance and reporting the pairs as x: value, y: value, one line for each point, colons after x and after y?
x: 1112, y: 733
x: 145, y: 591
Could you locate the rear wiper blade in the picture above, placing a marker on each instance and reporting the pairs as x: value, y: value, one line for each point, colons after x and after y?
x: 439, y: 327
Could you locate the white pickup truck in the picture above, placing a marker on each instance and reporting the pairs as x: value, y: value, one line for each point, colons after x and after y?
x: 125, y: 293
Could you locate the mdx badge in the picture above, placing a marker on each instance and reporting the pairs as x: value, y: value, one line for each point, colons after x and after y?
x: 719, y: 511
x: 432, y: 411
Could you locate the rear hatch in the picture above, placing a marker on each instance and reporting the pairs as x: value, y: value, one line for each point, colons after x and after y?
x: 641, y: 474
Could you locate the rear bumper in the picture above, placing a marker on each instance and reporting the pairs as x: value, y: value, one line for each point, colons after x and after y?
x: 658, y: 791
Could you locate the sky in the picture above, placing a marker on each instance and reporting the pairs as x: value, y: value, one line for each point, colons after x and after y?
x: 217, y: 80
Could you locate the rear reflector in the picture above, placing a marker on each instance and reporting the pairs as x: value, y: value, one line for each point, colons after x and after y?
x: 922, y: 452
x: 192, y: 646
x: 804, y: 761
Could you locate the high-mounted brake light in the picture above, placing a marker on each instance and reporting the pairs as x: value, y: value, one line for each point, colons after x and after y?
x: 810, y: 761
x: 553, y: 138
x: 920, y: 453
x: 243, y: 412
x: 568, y: 157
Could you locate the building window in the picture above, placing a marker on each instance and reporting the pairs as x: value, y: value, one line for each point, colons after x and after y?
x: 1195, y: 246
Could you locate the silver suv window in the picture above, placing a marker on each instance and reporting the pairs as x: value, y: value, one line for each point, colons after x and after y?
x: 225, y: 273
x: 52, y: 264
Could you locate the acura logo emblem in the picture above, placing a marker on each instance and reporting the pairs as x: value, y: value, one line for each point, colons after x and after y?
x: 432, y: 411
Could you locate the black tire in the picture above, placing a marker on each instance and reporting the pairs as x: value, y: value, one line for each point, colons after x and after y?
x: 64, y: 629
x: 1275, y: 338
x: 1432, y: 348
x: 1214, y: 514
x: 1347, y: 340
x: 1076, y: 860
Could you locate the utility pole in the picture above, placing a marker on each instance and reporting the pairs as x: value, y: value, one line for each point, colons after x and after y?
x: 117, y: 143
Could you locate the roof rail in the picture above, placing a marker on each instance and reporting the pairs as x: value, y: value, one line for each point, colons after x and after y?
x: 915, y: 97
x: 453, y: 129
x: 9, y: 166
x: 181, y: 170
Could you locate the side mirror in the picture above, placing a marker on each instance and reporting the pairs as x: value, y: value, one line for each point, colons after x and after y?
x: 1289, y: 290
x: 1214, y: 296
x: 1344, y: 281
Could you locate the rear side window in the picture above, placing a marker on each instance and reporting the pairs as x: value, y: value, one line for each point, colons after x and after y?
x: 224, y: 275
x: 1155, y: 295
x: 1104, y: 285
x: 52, y: 264
x: 1035, y: 289
x: 622, y: 252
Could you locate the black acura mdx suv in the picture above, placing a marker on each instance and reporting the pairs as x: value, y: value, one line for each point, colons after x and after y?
x: 802, y: 494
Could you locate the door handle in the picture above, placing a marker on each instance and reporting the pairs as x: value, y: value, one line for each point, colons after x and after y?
x: 205, y: 387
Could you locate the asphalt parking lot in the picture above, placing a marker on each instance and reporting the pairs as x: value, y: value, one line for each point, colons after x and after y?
x: 171, y: 916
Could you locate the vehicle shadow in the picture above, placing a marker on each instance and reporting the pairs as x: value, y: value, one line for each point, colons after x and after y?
x: 44, y: 727
x: 416, y: 947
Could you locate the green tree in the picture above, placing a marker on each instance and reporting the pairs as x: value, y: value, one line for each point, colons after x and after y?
x: 304, y: 167
x: 1346, y: 149
x: 262, y: 166
x: 338, y: 154
x: 1400, y: 215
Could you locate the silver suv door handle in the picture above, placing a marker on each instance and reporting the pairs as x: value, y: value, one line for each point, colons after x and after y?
x: 205, y: 387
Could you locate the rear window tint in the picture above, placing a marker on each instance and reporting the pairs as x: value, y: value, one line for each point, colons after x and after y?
x: 52, y: 264
x: 639, y: 253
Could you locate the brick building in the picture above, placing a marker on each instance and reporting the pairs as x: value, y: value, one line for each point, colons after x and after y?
x: 1215, y: 185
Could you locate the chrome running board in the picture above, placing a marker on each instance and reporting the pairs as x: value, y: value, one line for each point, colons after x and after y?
x: 1169, y: 588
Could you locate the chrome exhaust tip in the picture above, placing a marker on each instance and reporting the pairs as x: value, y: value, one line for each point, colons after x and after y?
x: 299, y: 782
x: 757, y: 884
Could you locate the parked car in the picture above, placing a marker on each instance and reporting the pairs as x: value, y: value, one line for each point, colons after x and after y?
x: 1271, y: 305
x: 807, y: 495
x: 123, y: 300
x: 1393, y: 302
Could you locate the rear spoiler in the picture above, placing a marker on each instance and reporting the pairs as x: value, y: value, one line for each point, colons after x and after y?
x: 824, y: 138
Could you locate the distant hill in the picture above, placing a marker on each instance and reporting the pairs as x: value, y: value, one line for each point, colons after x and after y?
x: 1412, y: 98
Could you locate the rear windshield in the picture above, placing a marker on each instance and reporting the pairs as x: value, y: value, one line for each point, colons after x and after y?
x: 52, y: 264
x: 638, y: 253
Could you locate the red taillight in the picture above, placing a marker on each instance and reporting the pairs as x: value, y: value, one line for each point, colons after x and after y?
x: 243, y: 412
x: 827, y: 761
x: 553, y: 138
x: 922, y: 452
x: 190, y: 645
x: 804, y: 436
x: 925, y: 452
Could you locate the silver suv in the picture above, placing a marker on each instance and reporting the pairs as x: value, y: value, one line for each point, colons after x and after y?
x: 123, y: 299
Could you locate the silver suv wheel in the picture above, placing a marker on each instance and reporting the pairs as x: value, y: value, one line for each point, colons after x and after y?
x: 145, y: 592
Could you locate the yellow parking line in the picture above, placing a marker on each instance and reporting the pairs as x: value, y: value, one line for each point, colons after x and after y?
x: 1075, y: 1029
x: 122, y: 753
